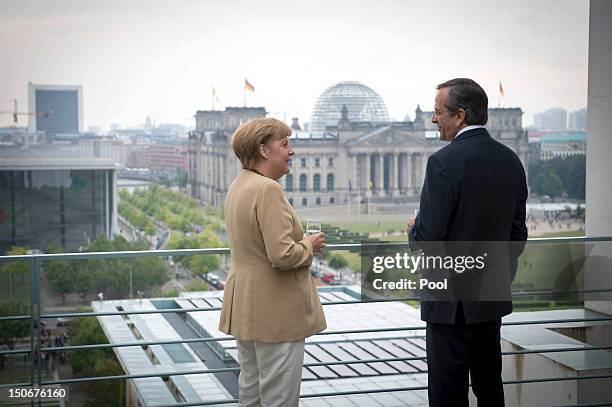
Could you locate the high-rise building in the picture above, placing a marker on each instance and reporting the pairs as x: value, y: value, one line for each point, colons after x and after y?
x: 577, y: 120
x: 551, y: 119
x: 64, y: 105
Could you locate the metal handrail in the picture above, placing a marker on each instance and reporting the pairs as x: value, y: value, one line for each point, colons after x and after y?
x: 36, y: 259
x: 184, y: 310
x: 312, y: 364
x: 225, y: 250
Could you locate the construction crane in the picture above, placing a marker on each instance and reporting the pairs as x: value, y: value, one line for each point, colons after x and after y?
x: 16, y: 113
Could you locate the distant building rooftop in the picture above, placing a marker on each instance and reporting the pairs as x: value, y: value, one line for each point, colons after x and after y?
x: 564, y: 137
x: 45, y: 157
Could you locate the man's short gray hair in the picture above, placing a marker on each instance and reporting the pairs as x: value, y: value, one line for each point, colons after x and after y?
x: 466, y: 94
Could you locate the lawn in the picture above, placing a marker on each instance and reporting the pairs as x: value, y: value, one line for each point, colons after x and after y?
x: 569, y: 233
x: 375, y: 225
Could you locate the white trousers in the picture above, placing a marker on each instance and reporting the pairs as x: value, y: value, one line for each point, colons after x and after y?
x: 270, y: 373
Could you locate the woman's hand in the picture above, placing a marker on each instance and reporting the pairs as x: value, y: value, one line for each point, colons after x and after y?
x: 318, y: 242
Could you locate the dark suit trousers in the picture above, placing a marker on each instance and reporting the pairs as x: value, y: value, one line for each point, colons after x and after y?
x: 456, y: 350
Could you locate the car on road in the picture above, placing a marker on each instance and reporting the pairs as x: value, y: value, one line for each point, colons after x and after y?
x: 331, y: 279
x: 61, y: 321
x: 214, y: 281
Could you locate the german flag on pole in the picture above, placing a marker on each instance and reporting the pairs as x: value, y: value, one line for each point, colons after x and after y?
x: 248, y: 86
x: 501, y: 89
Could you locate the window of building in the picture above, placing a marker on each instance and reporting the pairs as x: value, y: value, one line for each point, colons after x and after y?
x: 303, y: 162
x: 332, y: 200
x: 304, y: 201
x: 303, y: 181
x: 289, y: 183
x: 330, y: 182
x: 330, y: 162
x: 291, y: 201
x: 316, y: 183
x: 317, y: 162
x: 318, y: 201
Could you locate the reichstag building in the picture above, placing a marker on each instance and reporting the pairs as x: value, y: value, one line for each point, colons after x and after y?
x: 350, y: 152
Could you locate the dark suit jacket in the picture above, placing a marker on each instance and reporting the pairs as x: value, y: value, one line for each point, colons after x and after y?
x: 474, y: 190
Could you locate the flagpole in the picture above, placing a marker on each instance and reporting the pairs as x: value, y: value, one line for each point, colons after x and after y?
x: 213, y: 98
x: 244, y: 95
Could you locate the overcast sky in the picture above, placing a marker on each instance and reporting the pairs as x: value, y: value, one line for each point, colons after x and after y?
x: 162, y: 58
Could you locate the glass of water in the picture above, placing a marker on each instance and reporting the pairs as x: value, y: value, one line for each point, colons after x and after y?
x: 313, y: 226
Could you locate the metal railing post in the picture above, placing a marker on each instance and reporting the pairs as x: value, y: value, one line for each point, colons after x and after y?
x: 34, y: 319
x: 38, y: 321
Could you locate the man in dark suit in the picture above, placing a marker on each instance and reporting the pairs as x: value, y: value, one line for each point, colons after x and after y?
x: 474, y: 190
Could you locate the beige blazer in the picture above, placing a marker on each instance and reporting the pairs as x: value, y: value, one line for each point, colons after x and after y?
x: 270, y: 295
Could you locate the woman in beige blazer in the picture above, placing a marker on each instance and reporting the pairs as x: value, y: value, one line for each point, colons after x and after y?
x: 270, y: 303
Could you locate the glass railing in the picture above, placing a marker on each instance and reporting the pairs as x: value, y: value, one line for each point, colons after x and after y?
x: 112, y: 324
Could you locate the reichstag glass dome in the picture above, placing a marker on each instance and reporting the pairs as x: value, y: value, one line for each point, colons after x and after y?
x: 363, y: 105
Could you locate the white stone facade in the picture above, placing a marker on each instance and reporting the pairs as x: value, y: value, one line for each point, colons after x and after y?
x: 352, y: 161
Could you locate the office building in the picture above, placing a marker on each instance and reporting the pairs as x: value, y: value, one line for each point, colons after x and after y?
x: 59, y: 109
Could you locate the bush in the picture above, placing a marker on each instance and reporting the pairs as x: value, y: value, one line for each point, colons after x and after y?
x: 197, y: 285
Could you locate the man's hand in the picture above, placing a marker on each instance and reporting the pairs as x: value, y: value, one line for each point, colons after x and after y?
x: 318, y: 242
x: 410, y: 223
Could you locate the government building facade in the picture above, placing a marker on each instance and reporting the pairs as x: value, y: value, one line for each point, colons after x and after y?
x: 350, y: 154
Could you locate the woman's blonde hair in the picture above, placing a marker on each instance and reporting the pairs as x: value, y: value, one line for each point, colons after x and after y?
x: 248, y: 137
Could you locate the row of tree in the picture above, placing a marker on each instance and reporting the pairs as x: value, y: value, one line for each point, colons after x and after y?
x: 177, y: 210
x: 136, y: 217
x: 106, y: 275
x: 559, y: 177
x: 199, y: 265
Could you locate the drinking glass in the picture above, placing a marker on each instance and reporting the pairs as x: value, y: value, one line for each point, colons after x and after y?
x: 313, y: 226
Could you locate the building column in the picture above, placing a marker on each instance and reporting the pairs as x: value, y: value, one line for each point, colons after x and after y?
x: 599, y: 149
x: 368, y: 172
x: 394, y: 164
x: 380, y: 185
x: 409, y: 173
x: 354, y: 181
x: 401, y: 176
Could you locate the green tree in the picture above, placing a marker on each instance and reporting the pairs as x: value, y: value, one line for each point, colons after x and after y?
x: 181, y: 179
x: 84, y: 276
x: 96, y: 362
x: 336, y: 261
x: 87, y: 331
x: 12, y: 330
x: 203, y: 264
x: 571, y: 171
x: 109, y: 393
x: 59, y: 273
x: 197, y: 285
x: 575, y: 181
x: 198, y: 264
x: 15, y: 269
x: 549, y: 183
